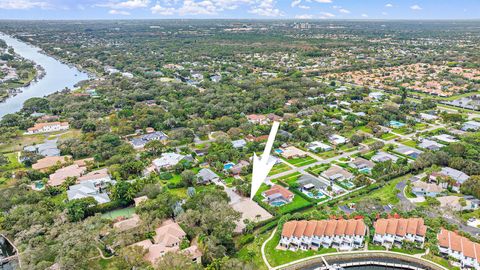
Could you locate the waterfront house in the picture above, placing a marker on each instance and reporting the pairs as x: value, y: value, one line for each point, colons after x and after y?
x: 462, y: 249
x: 394, y: 231
x: 315, y: 234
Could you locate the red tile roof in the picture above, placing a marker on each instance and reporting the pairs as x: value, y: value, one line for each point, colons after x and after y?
x: 276, y: 189
x: 458, y: 243
x: 324, y: 228
x: 400, y: 227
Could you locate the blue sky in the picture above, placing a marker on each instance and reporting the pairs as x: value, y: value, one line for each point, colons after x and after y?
x: 237, y: 9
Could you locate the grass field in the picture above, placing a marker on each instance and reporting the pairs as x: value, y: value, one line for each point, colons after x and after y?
x: 327, y: 154
x: 410, y: 143
x: 318, y: 169
x: 388, y: 136
x: 251, y: 252
x: 13, y: 163
x: 289, y: 179
x: 279, y: 168
x: 387, y: 194
x: 124, y: 212
x: 299, y: 162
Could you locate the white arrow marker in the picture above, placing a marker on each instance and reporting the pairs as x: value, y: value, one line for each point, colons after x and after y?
x: 262, y: 165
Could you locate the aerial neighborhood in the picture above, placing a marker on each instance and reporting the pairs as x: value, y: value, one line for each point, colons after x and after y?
x: 148, y: 162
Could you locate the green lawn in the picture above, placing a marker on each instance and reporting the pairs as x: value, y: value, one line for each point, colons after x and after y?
x: 375, y: 247
x: 410, y: 143
x: 403, y: 130
x: 369, y: 141
x: 13, y: 163
x: 251, y: 252
x: 318, y: 169
x: 387, y: 194
x: 327, y: 154
x: 278, y: 257
x: 20, y: 142
x: 279, y: 168
x: 388, y: 136
x: 443, y: 262
x: 297, y: 203
x: 289, y: 179
x: 366, y: 129
x: 299, y: 162
x: 124, y: 212
x: 412, y: 251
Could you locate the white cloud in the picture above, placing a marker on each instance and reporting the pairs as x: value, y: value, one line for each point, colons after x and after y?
x: 118, y: 12
x: 304, y: 7
x: 389, y: 5
x: 365, y: 15
x: 266, y: 8
x: 197, y: 8
x: 129, y: 4
x: 23, y: 4
x: 345, y: 11
x: 295, y: 3
x: 157, y: 9
x: 323, y: 1
x: 304, y: 17
x: 416, y: 7
x: 326, y: 15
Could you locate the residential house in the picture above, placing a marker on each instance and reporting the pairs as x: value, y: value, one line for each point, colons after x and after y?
x: 237, y: 168
x: 453, y: 245
x: 293, y: 152
x: 140, y: 141
x: 168, y: 237
x: 383, y: 156
x: 424, y: 189
x: 48, y: 127
x: 47, y: 162
x: 337, y: 173
x: 457, y: 203
x: 430, y: 145
x: 205, y: 176
x: 100, y: 178
x: 445, y: 138
x: 428, y: 117
x: 471, y: 125
x: 274, y: 117
x: 257, y: 119
x: 376, y: 95
x: 315, y: 234
x: 87, y: 189
x: 127, y: 224
x: 47, y: 149
x: 278, y: 195
x: 317, y: 146
x: 361, y: 164
x: 458, y: 176
x: 167, y: 161
x: 408, y: 151
x: 337, y: 139
x: 394, y: 231
x: 59, y: 176
x: 239, y: 143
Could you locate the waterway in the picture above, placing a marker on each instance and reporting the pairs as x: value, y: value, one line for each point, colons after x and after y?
x: 58, y: 75
x: 6, y: 250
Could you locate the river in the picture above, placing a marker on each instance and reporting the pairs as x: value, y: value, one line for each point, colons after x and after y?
x: 58, y: 75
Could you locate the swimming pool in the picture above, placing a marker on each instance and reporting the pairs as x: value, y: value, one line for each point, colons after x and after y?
x: 39, y: 185
x: 277, y: 203
x: 228, y: 166
x: 278, y: 151
x: 365, y: 170
x: 396, y: 124
x: 310, y: 194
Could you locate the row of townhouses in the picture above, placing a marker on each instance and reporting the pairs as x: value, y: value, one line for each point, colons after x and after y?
x: 461, y: 248
x: 394, y: 231
x: 313, y: 234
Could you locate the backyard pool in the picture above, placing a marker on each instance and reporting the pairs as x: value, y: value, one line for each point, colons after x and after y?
x: 365, y: 170
x: 396, y: 124
x: 228, y: 166
x: 278, y: 151
x: 39, y: 185
x: 348, y: 184
x: 320, y: 195
x: 277, y: 203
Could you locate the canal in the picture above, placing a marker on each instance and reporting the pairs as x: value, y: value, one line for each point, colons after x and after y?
x: 58, y: 75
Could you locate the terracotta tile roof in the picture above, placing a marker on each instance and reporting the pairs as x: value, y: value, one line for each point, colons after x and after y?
x: 324, y: 228
x: 60, y: 175
x: 276, y: 189
x: 47, y: 162
x: 400, y: 226
x: 458, y: 243
x: 94, y: 175
x: 39, y: 126
x: 300, y: 228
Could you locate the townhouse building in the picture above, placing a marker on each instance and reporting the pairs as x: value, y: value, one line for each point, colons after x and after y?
x: 465, y: 251
x: 315, y: 234
x: 395, y: 231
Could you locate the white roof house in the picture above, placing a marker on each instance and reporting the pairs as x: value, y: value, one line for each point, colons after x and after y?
x: 383, y: 156
x: 337, y: 139
x: 430, y: 145
x: 206, y: 175
x: 314, y: 146
x: 167, y: 160
x: 471, y: 125
x: 239, y: 143
x: 445, y: 138
x: 87, y: 189
x: 376, y: 95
